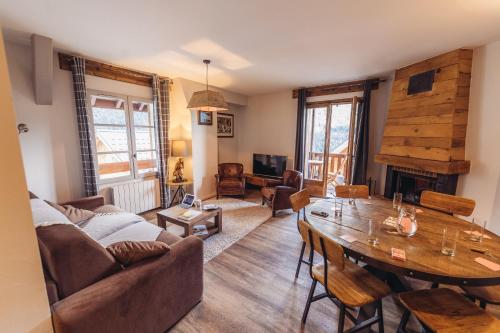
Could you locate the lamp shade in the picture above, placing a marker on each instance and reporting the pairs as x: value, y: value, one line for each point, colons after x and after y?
x: 207, y: 100
x: 180, y: 148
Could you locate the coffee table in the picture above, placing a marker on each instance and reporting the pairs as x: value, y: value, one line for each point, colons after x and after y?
x: 172, y: 215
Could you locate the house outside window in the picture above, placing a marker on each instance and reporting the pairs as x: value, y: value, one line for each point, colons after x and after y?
x: 124, y: 136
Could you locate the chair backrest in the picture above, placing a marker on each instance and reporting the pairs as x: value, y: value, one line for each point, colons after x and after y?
x: 450, y: 204
x: 333, y: 252
x: 352, y: 191
x: 231, y: 169
x: 293, y: 178
x: 300, y: 200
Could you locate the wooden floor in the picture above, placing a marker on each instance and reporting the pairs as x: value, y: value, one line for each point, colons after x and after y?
x: 250, y: 287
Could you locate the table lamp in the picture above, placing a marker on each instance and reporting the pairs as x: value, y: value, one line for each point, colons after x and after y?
x: 180, y: 149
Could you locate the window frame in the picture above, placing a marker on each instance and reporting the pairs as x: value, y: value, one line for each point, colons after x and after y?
x: 130, y: 131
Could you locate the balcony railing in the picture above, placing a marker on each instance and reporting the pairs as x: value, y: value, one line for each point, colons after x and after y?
x: 118, y: 167
x: 336, y: 165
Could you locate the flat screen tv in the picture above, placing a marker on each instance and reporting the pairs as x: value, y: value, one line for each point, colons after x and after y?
x: 269, y: 165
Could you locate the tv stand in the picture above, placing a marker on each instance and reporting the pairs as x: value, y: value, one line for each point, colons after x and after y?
x: 262, y: 181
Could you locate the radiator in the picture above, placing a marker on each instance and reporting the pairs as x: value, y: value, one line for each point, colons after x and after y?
x: 137, y: 196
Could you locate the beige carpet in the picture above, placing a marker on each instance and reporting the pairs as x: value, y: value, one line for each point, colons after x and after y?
x: 238, y: 219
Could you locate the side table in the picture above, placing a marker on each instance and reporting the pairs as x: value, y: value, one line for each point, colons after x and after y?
x: 180, y: 191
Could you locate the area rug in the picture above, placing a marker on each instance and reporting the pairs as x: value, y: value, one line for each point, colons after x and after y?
x: 238, y: 219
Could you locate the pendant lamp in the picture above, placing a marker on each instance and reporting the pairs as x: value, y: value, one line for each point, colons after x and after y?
x: 207, y: 100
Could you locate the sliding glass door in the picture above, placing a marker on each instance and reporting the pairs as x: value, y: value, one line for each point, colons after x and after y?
x: 329, y: 138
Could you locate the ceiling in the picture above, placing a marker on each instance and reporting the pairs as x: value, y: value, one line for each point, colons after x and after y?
x: 257, y: 46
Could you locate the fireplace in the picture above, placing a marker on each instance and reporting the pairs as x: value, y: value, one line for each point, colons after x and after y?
x: 411, y: 183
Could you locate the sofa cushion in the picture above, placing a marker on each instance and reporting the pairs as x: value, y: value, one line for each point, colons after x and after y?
x: 73, y: 259
x: 75, y: 215
x: 229, y: 182
x: 129, y: 252
x: 108, y: 209
x: 45, y: 215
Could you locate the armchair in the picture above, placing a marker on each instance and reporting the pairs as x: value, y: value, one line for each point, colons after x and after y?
x: 230, y: 179
x: 278, y: 197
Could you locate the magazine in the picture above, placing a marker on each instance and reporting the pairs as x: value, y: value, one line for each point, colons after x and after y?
x: 189, y: 214
x: 200, y: 230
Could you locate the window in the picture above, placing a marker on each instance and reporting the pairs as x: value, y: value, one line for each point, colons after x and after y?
x: 124, y: 133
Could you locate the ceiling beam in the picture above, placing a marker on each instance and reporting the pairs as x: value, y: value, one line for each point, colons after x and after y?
x: 112, y: 72
x: 337, y: 88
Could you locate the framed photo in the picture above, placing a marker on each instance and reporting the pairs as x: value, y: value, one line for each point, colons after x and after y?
x: 225, y: 125
x: 204, y: 118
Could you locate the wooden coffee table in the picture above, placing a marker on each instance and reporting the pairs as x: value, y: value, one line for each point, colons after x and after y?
x: 172, y: 215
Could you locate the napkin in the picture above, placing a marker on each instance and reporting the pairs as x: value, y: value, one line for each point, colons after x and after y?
x: 489, y: 264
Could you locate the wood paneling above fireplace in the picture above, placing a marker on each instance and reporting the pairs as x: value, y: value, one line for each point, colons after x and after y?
x: 428, y: 129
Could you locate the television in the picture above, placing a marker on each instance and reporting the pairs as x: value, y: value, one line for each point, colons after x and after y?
x: 269, y: 165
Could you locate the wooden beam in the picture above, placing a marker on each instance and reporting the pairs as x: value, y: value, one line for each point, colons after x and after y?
x: 108, y: 71
x: 336, y: 88
x: 447, y: 168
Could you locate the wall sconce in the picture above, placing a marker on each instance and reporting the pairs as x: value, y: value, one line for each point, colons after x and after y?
x: 22, y: 128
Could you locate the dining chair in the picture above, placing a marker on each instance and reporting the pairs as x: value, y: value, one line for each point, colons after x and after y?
x: 485, y: 295
x: 346, y: 284
x: 352, y: 191
x: 449, y: 204
x: 299, y: 201
x: 445, y: 310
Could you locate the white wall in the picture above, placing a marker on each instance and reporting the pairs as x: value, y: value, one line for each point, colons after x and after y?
x: 204, y: 138
x: 50, y: 149
x: 483, y: 137
x: 268, y: 126
x: 229, y: 147
x: 23, y: 303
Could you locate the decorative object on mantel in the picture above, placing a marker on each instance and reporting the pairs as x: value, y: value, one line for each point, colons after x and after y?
x: 207, y: 100
x: 205, y: 118
x: 225, y: 125
x: 180, y: 149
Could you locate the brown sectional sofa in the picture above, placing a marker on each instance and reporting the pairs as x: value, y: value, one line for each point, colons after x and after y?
x: 90, y: 292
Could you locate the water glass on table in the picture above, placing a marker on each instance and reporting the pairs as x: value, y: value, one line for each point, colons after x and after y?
x: 449, y: 243
x: 397, y: 200
x: 337, y: 207
x: 476, y: 231
x: 373, y: 231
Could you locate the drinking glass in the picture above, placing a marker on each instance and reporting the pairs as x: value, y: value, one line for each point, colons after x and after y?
x: 337, y: 207
x: 449, y: 243
x: 477, y: 230
x: 397, y: 200
x: 373, y: 231
x: 198, y: 204
x: 352, y: 196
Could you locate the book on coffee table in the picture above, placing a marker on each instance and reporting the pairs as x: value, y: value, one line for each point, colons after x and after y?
x: 189, y: 214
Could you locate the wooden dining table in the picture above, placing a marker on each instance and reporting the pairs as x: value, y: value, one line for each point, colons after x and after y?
x: 424, y: 260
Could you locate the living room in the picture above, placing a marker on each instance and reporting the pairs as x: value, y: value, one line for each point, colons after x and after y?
x: 218, y: 140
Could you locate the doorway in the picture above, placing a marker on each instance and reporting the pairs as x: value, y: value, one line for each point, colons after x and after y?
x: 329, y: 138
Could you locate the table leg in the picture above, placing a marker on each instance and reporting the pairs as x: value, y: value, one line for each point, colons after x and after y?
x: 218, y: 221
x: 188, y: 230
x: 173, y: 198
x: 162, y: 222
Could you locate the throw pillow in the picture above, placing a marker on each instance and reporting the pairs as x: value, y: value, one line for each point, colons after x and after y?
x: 75, y: 215
x: 129, y: 252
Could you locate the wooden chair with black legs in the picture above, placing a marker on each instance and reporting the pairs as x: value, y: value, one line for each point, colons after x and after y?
x: 445, y: 310
x: 299, y: 201
x: 455, y: 205
x: 346, y: 284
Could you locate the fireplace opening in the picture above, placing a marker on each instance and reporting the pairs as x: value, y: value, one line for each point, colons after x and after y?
x: 411, y: 183
x: 411, y: 186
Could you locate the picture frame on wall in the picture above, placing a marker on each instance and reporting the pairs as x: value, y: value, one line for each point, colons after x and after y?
x: 225, y: 125
x: 205, y: 118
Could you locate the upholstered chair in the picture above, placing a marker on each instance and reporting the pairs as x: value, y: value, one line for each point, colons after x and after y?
x: 278, y: 197
x: 230, y: 179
